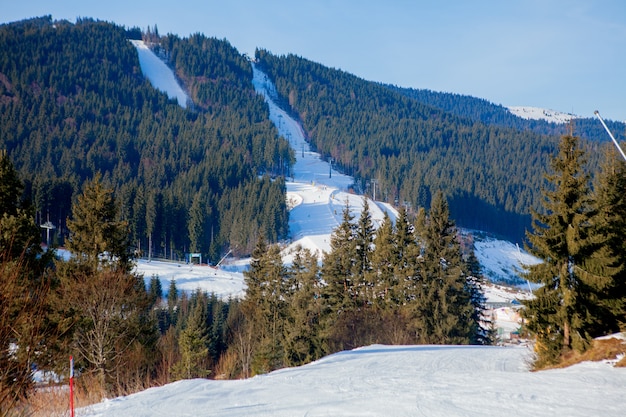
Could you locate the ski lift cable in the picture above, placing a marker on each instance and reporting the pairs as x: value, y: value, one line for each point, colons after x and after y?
x: 597, y: 113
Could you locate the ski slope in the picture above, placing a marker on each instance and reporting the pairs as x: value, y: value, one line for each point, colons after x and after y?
x: 430, y: 381
x: 160, y: 75
x: 450, y: 381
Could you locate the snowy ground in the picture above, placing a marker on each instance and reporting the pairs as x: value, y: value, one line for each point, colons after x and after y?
x: 377, y: 380
x: 316, y: 197
x: 160, y: 75
x: 430, y: 381
x: 537, y: 113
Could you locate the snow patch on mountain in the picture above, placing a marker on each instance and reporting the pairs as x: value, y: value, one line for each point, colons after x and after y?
x: 538, y: 113
x: 160, y: 75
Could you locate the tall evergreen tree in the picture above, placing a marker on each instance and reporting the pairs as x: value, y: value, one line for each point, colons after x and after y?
x: 107, y: 304
x: 264, y: 306
x: 560, y: 238
x: 382, y: 275
x: 339, y: 265
x: 97, y: 237
x: 363, y: 240
x: 605, y: 276
x: 302, y: 341
x: 443, y: 308
x: 19, y: 235
x: 193, y: 342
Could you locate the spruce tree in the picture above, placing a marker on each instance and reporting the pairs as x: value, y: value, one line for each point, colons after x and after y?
x: 339, y: 266
x: 382, y: 276
x: 193, y: 342
x: 19, y: 235
x: 605, y: 276
x: 105, y: 302
x: 302, y: 341
x: 264, y: 306
x: 443, y: 308
x: 560, y: 238
x: 97, y: 237
x: 363, y: 240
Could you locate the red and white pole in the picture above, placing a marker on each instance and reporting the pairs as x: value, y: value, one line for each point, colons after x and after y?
x: 71, y: 386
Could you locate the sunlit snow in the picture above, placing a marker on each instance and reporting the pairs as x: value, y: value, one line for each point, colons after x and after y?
x: 159, y: 74
x: 537, y: 113
x: 431, y: 381
x: 397, y: 381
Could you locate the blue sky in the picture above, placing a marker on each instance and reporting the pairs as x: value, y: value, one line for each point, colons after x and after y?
x: 565, y: 55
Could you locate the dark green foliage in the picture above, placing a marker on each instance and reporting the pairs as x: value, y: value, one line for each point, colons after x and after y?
x: 265, y: 306
x: 304, y: 304
x: 443, y: 309
x: 605, y: 276
x: 73, y: 103
x: 562, y: 238
x: 480, y: 110
x: 28, y: 330
x: 487, y: 172
x: 19, y: 235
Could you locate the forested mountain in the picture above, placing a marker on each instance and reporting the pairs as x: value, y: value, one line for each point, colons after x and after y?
x: 481, y: 110
x: 489, y: 173
x: 74, y: 102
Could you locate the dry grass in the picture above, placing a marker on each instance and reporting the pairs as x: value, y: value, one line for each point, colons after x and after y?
x: 601, y: 350
x: 54, y: 401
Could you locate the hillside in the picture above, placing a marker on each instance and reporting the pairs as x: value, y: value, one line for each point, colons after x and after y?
x: 488, y: 173
x: 394, y: 381
x: 74, y: 102
x: 481, y: 110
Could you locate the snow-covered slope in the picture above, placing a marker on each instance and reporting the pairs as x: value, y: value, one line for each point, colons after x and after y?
x: 316, y: 196
x: 159, y: 74
x: 537, y: 113
x: 398, y: 381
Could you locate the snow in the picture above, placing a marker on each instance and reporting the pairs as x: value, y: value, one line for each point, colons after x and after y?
x: 393, y: 381
x: 224, y: 284
x: 160, y: 75
x: 501, y: 261
x: 537, y: 113
x: 377, y: 380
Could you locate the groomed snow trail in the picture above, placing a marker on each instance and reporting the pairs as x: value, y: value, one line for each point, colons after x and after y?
x: 432, y: 381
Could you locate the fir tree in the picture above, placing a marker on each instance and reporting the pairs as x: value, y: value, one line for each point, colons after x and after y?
x: 384, y: 260
x: 97, y: 237
x: 193, y: 342
x: 363, y: 240
x: 339, y: 265
x: 605, y: 276
x: 443, y: 308
x: 560, y: 238
x: 302, y: 341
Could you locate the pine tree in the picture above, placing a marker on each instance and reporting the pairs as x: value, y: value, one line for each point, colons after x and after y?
x: 97, y: 237
x: 339, y: 265
x: 443, y: 309
x: 605, y: 276
x: 560, y: 239
x: 264, y: 305
x: 108, y: 305
x: 19, y: 235
x: 193, y: 342
x: 302, y: 341
x: 384, y: 260
x: 407, y: 259
x: 363, y: 240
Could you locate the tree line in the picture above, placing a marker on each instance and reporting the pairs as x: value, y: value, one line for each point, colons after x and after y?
x: 74, y: 103
x: 404, y: 284
x: 412, y: 149
x: 580, y: 236
x: 481, y: 110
